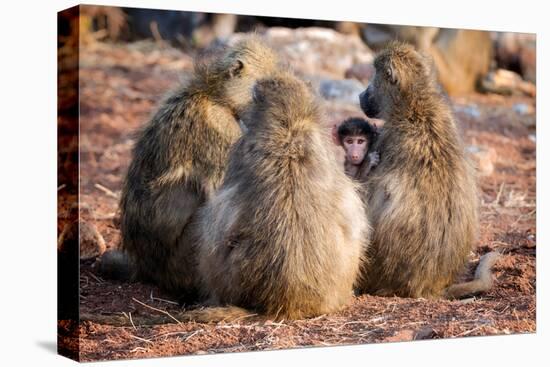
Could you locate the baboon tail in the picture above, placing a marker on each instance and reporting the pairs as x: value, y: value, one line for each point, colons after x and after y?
x: 115, y: 265
x: 204, y: 315
x: 483, y: 279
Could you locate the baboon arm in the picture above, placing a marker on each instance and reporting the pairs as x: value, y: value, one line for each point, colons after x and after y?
x: 483, y: 279
x: 173, y: 210
x: 370, y: 162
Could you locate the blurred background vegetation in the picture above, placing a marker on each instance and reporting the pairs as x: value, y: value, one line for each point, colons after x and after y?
x: 467, y: 60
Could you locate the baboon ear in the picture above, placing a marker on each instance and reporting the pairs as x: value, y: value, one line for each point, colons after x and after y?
x: 390, y: 74
x: 236, y: 68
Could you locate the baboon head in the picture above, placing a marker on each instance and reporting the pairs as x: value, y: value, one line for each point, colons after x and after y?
x: 281, y: 98
x: 356, y: 136
x: 401, y: 73
x: 242, y: 65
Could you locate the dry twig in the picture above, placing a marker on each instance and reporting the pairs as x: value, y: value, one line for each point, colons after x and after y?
x: 158, y: 310
x: 152, y: 298
x: 107, y: 191
x: 131, y: 321
x: 142, y: 339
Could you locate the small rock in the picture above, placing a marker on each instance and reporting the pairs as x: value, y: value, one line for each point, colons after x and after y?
x: 471, y: 110
x: 401, y: 336
x: 517, y: 51
x: 523, y: 109
x: 316, y: 51
x: 408, y: 335
x: 346, y: 90
x: 91, y: 243
x: 425, y: 333
x: 484, y: 158
x: 361, y: 72
x: 528, y: 60
x: 507, y: 82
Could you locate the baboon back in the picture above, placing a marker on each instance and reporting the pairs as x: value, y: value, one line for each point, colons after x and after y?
x: 285, y: 233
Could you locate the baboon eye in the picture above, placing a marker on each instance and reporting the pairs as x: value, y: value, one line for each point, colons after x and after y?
x: 361, y: 141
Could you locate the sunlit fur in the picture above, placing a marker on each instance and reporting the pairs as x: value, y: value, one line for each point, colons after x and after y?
x: 422, y: 197
x: 285, y: 234
x: 179, y: 161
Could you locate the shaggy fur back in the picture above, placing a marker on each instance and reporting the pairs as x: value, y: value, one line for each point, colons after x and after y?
x: 423, y: 194
x: 285, y: 234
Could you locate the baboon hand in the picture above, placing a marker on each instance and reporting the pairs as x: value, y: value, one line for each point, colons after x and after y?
x: 374, y: 159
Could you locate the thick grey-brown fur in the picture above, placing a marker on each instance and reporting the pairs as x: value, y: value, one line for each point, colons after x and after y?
x: 179, y: 161
x: 286, y: 233
x: 422, y: 197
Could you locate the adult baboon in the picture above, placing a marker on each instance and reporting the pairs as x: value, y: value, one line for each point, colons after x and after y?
x: 285, y: 233
x: 422, y: 197
x: 179, y: 161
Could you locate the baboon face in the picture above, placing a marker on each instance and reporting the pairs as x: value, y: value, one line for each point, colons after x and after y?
x: 356, y: 148
x: 356, y: 137
x: 400, y: 72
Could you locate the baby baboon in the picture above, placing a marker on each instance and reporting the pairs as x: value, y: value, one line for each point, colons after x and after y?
x: 357, y: 137
x: 179, y: 161
x: 285, y: 234
x: 422, y: 197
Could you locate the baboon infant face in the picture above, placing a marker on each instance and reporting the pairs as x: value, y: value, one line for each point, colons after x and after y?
x: 356, y: 147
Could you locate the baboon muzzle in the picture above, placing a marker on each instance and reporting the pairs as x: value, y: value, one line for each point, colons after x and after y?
x: 367, y: 103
